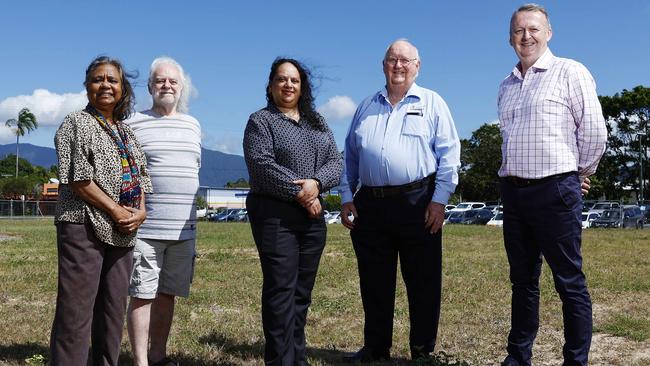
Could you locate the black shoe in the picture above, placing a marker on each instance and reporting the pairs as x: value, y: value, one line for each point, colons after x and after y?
x: 367, y: 354
x: 420, y: 352
x: 510, y: 361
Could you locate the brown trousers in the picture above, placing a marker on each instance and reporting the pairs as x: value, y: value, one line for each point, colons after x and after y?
x: 91, y: 299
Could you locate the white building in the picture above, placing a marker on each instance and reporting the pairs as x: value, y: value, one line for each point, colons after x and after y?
x: 224, y: 197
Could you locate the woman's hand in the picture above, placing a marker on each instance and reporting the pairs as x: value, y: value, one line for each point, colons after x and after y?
x: 314, y: 210
x: 308, y: 192
x: 133, y: 221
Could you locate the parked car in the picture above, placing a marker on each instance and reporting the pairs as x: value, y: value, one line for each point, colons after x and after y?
x: 588, y: 218
x: 471, y: 217
x: 226, y: 215
x: 334, y: 218
x: 645, y: 209
x: 587, y: 205
x: 626, y: 216
x: 497, y: 220
x: 465, y: 206
x: 239, y: 216
x: 601, y: 206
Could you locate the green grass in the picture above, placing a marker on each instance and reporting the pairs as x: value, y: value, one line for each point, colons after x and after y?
x: 623, y: 325
x: 220, y: 323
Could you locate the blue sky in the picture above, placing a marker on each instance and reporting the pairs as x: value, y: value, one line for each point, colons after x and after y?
x: 227, y: 48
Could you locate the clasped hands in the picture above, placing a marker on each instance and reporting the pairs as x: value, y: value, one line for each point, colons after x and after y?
x: 307, y: 197
x: 128, y: 219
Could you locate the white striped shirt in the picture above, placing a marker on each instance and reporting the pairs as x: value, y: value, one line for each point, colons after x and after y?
x: 172, y: 145
x: 551, y: 120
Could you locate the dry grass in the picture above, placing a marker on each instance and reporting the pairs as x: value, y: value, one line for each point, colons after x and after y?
x: 219, y: 324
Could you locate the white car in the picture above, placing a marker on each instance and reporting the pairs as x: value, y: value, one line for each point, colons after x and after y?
x: 465, y: 206
x: 588, y: 217
x: 497, y: 220
x: 333, y: 218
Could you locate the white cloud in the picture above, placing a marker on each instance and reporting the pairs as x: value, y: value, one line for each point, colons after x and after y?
x: 338, y: 107
x: 49, y: 108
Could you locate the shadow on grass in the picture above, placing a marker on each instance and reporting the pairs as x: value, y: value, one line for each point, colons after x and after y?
x: 18, y: 353
x: 255, y: 351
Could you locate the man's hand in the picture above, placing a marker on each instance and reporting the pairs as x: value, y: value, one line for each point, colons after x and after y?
x: 585, y: 186
x: 434, y: 216
x: 346, y: 209
x: 308, y: 192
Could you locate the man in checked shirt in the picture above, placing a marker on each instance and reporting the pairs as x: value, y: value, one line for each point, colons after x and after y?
x: 553, y: 137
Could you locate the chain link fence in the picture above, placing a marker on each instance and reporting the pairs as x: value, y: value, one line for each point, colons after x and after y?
x: 20, y: 208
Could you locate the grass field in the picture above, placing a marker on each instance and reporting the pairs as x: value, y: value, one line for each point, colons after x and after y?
x: 219, y: 324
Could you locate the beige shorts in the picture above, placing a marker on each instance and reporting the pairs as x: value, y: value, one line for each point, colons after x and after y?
x: 162, y: 266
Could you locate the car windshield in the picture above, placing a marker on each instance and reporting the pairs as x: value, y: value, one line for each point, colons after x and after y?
x: 456, y: 215
x: 464, y: 205
x: 611, y: 214
x: 602, y: 206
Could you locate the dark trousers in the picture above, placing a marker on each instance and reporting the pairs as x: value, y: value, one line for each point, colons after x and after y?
x: 387, y: 229
x: 544, y: 220
x: 91, y: 300
x: 290, y: 246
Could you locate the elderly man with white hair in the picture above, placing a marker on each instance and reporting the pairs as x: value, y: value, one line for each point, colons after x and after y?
x: 403, y: 150
x: 165, y: 249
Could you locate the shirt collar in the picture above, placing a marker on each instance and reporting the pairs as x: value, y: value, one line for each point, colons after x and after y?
x: 414, y: 91
x: 543, y: 63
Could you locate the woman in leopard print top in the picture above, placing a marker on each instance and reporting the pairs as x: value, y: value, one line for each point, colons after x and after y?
x: 103, y: 178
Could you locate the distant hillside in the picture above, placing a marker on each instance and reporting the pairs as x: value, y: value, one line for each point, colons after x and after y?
x: 36, y: 155
x: 217, y: 168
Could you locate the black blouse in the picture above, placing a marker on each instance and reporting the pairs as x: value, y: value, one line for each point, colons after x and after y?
x: 279, y: 150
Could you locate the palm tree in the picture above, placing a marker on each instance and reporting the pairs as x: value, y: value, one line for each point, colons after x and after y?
x: 26, y: 122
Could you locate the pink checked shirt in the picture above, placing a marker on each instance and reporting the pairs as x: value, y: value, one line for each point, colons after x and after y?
x: 551, y: 120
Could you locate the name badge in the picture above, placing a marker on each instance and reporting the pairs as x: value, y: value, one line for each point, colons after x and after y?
x: 415, y: 111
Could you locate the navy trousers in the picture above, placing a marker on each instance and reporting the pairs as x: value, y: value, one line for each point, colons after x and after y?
x: 544, y: 219
x: 386, y: 230
x: 290, y: 245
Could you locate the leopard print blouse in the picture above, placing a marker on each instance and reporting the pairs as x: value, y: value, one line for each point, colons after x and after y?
x: 86, y: 152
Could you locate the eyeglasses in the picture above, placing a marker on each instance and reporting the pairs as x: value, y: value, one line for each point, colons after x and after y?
x: 162, y: 81
x: 392, y: 61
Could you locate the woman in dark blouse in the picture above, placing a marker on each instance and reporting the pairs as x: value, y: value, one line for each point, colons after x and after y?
x: 291, y: 157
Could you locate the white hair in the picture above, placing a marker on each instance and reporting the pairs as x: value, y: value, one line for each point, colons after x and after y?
x: 417, y: 53
x: 186, y: 82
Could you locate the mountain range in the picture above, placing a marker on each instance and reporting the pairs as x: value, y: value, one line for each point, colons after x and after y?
x: 217, y: 168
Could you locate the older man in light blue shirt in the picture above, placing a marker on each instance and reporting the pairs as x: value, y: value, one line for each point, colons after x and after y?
x: 403, y: 152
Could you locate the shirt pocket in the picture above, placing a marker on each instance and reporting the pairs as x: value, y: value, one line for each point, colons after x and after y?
x: 415, y: 125
x: 553, y: 106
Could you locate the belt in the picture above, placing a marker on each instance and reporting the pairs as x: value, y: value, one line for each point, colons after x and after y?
x: 389, y: 191
x: 527, y: 182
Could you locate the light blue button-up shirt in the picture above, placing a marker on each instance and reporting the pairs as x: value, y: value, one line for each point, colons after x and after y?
x: 389, y: 145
